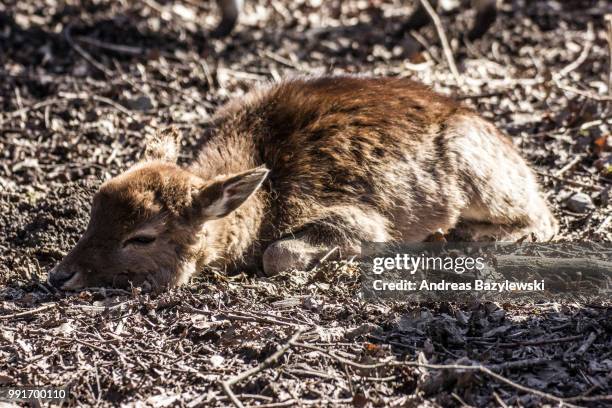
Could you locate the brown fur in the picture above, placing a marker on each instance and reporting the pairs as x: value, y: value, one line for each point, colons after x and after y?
x: 351, y: 159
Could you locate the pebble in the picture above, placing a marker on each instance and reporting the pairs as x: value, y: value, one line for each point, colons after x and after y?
x: 579, y: 203
x: 141, y: 103
x: 312, y: 304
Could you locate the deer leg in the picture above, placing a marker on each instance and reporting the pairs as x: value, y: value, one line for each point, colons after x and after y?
x: 344, y: 227
x: 486, y: 13
x: 504, y: 201
x: 230, y: 11
x: 418, y: 19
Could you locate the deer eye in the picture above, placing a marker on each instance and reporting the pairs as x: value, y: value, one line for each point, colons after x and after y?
x: 139, y: 240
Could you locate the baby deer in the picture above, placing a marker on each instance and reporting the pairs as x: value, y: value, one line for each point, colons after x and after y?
x: 301, y: 167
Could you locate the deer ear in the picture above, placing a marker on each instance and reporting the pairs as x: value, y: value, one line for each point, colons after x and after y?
x: 220, y: 198
x: 163, y: 146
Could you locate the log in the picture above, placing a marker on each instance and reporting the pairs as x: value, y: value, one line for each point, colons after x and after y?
x: 509, y: 265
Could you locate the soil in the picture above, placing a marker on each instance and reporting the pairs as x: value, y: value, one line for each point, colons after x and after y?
x: 82, y: 83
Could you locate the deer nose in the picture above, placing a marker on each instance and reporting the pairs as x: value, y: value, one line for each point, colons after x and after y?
x: 57, y: 277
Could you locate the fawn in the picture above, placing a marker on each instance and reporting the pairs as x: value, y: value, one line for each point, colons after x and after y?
x: 300, y: 167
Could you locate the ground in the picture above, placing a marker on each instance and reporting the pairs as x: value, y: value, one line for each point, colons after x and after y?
x: 82, y: 83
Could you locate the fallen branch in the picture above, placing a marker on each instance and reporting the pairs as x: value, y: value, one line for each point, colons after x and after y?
x: 30, y: 312
x: 587, y: 343
x: 588, y: 267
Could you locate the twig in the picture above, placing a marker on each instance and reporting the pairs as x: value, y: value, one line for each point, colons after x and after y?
x: 586, y: 94
x: 590, y: 37
x: 90, y: 308
x: 84, y: 343
x: 324, y: 258
x: 296, y: 403
x: 314, y: 373
x: 38, y: 105
x: 251, y: 396
x: 448, y: 53
x: 310, y: 373
x: 231, y: 316
x: 85, y: 54
x: 282, y: 60
x: 585, y: 346
x: 99, y: 396
x: 570, y: 182
x: 19, y: 103
x: 98, y: 98
x: 249, y: 318
x: 499, y: 400
x: 66, y: 96
x: 480, y: 368
x: 107, y: 291
x: 154, y: 5
x: 510, y: 365
x: 568, y: 166
x: 280, y: 319
x: 282, y: 404
x: 122, y: 49
x: 30, y: 312
x: 531, y: 342
x: 590, y: 399
x: 461, y: 401
x: 327, y: 255
x: 265, y: 364
x: 481, y: 95
x: 556, y: 78
x: 604, y: 224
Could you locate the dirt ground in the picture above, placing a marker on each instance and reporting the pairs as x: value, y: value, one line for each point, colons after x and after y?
x: 83, y: 82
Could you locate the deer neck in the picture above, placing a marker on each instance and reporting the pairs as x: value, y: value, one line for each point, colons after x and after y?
x: 229, y: 240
